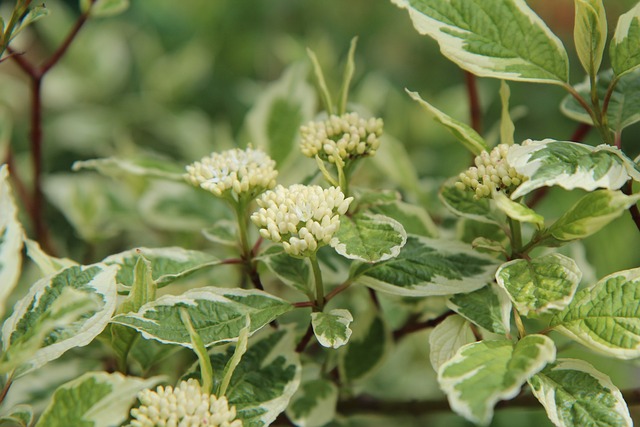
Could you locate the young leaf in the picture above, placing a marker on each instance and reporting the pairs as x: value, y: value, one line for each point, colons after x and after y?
x: 590, y: 33
x: 502, y: 39
x: 488, y: 307
x: 320, y: 81
x: 427, y: 267
x: 569, y: 165
x: 21, y: 415
x: 606, y: 316
x: 45, y: 322
x: 34, y: 14
x: 47, y: 264
x: 141, y: 167
x: 217, y: 314
x: 506, y: 124
x: 590, y: 214
x: 482, y: 373
x: 575, y: 394
x: 447, y: 337
x: 95, y: 399
x: 232, y: 364
x: 464, y: 133
x: 104, y: 8
x: 369, y: 238
x: 463, y: 203
x: 541, y: 284
x: 367, y: 348
x: 414, y: 219
x: 516, y: 210
x: 294, y: 272
x: 332, y: 328
x: 349, y: 69
x: 314, y: 404
x: 625, y: 56
x: 11, y: 235
x: 168, y: 264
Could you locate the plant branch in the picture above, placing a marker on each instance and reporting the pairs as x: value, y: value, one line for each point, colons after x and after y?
x: 305, y: 340
x: 475, y: 111
x: 413, y: 325
x: 633, y: 210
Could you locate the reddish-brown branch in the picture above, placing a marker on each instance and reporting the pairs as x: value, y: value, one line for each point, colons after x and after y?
x: 413, y: 325
x: 305, y: 340
x: 475, y: 111
x: 633, y: 210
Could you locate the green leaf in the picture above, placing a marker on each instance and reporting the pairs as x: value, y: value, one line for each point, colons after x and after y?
x: 569, y: 165
x: 464, y: 204
x: 321, y: 83
x: 11, y: 235
x: 506, y: 124
x: 414, y: 219
x: 488, y: 307
x: 369, y: 238
x: 60, y: 312
x: 606, y: 316
x: 517, y: 211
x: 223, y: 231
x: 141, y: 167
x: 349, y: 69
x: 427, y: 267
x: 590, y: 33
x: 502, y: 39
x: 104, y: 8
x: 540, y: 285
x: 625, y: 56
x: 34, y: 14
x: 217, y: 314
x: 314, y: 404
x: 575, y: 394
x: 277, y: 115
x: 21, y: 415
x: 590, y: 214
x: 624, y: 105
x: 46, y: 263
x: 395, y: 163
x: 483, y: 373
x: 332, y: 328
x: 294, y: 272
x: 464, y: 133
x: 232, y: 364
x: 96, y: 399
x: 367, y: 348
x: 168, y: 264
x: 447, y: 337
x: 265, y: 379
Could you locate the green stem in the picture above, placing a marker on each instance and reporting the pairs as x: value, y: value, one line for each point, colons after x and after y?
x: 516, y: 236
x: 241, y: 217
x: 206, y: 370
x: 317, y: 277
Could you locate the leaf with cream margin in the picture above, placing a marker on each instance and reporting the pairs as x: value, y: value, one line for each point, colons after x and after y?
x: 590, y: 33
x: 11, y: 235
x: 625, y: 56
x: 46, y: 263
x: 447, y: 337
x: 488, y: 307
x: 369, y: 237
x: 332, y: 328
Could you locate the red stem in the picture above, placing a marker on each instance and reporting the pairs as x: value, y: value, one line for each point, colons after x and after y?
x: 633, y: 210
x: 475, y: 111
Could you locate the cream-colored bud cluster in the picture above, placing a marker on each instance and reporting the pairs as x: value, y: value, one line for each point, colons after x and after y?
x: 184, y: 406
x: 302, y: 217
x: 491, y: 171
x: 240, y: 171
x: 342, y: 137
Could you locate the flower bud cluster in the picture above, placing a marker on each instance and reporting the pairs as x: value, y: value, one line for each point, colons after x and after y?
x: 302, y: 217
x: 342, y: 137
x: 491, y: 171
x: 186, y: 405
x: 239, y: 171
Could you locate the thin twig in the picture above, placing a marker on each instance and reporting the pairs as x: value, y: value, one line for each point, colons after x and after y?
x: 475, y: 110
x: 305, y: 340
x: 413, y: 325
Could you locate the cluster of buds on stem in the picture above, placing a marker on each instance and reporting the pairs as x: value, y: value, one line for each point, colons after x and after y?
x: 302, y: 217
x: 245, y: 173
x: 491, y: 172
x: 341, y: 138
x: 186, y: 405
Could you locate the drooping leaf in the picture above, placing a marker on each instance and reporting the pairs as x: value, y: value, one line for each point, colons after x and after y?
x: 447, y: 337
x: 427, y: 267
x: 485, y: 372
x: 570, y: 165
x: 217, y: 314
x: 463, y: 132
x: 463, y: 203
x: 96, y: 399
x: 540, y: 285
x: 21, y: 415
x: 369, y: 238
x: 314, y: 404
x: 143, y: 167
x: 332, y: 328
x: 11, y: 235
x: 367, y: 348
x: 46, y: 263
x: 590, y: 33
x: 625, y: 56
x: 575, y: 394
x: 60, y: 312
x: 294, y: 272
x: 168, y: 264
x: 606, y: 316
x: 517, y: 211
x: 414, y: 219
x: 502, y: 39
x: 488, y: 307
x: 104, y: 8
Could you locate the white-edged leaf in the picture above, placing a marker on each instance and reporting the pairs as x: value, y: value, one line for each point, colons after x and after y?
x: 464, y: 204
x: 369, y: 238
x: 11, y: 235
x: 95, y: 399
x: 447, y: 337
x: 507, y: 127
x: 104, y: 8
x: 46, y: 302
x: 21, y: 415
x: 168, y: 264
x: 575, y: 394
x: 34, y: 14
x: 624, y: 51
x: 223, y: 231
x: 488, y: 307
x: 485, y: 372
x: 590, y: 33
x: 142, y: 167
x: 502, y: 39
x: 294, y: 272
x: 427, y: 267
x: 46, y: 263
x: 332, y: 328
x: 569, y: 165
x: 463, y: 132
x: 541, y: 284
x: 515, y: 210
x: 367, y: 349
x: 314, y: 404
x: 414, y: 219
x: 217, y: 314
x: 606, y: 316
